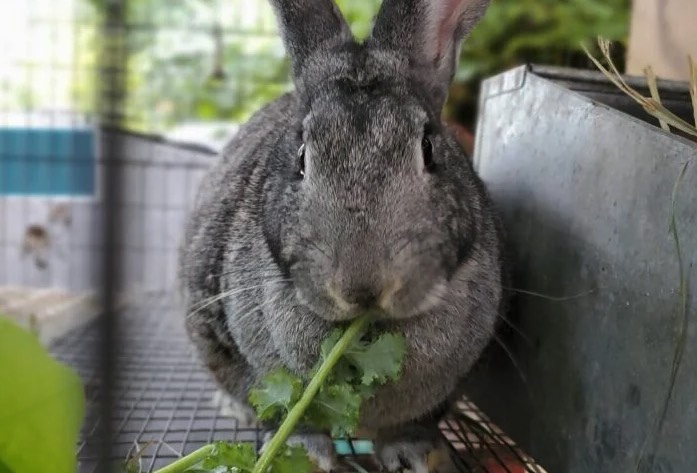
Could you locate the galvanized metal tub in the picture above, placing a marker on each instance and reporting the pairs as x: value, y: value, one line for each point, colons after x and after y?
x: 584, y: 180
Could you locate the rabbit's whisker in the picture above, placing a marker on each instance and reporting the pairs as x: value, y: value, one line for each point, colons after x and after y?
x: 512, y: 358
x: 232, y: 292
x: 250, y: 308
x: 515, y: 328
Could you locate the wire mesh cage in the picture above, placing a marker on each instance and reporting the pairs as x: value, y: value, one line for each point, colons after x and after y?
x: 93, y: 201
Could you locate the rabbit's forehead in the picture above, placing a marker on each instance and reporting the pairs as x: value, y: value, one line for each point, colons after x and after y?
x: 363, y: 97
x: 357, y: 63
x: 363, y: 115
x: 358, y: 81
x: 373, y: 109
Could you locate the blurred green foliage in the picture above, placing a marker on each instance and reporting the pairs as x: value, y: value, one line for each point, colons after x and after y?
x: 549, y: 32
x: 222, y: 59
x: 359, y: 15
x: 200, y: 60
x: 543, y: 31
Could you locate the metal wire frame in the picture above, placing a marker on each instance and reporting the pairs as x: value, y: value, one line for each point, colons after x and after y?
x: 164, y: 400
x: 149, y: 400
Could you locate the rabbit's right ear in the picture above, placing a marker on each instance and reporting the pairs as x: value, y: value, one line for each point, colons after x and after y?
x: 429, y: 34
x: 308, y: 25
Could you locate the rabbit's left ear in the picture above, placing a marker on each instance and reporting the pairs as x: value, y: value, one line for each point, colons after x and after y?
x: 429, y: 33
x: 309, y: 25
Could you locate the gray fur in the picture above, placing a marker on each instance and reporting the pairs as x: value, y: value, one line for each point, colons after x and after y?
x: 429, y: 33
x: 367, y: 224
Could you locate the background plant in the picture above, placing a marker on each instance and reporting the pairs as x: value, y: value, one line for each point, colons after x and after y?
x: 220, y: 60
x: 548, y: 32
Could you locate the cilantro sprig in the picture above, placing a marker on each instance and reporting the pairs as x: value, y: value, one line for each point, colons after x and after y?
x: 349, y: 371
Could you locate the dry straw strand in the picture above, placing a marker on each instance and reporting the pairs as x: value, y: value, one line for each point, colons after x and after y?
x: 653, y: 88
x: 693, y: 85
x: 654, y: 107
x: 651, y: 105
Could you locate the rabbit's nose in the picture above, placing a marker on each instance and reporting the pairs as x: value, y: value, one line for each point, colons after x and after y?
x: 364, y: 297
x: 351, y: 295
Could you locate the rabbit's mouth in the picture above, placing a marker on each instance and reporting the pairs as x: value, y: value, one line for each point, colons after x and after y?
x: 394, y: 301
x: 344, y: 292
x: 361, y: 299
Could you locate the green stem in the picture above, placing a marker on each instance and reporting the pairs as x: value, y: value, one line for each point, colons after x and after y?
x: 188, y: 461
x: 354, y: 331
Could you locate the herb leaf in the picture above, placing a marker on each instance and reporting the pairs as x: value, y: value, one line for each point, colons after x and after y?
x: 278, y: 392
x: 344, y: 371
x: 380, y: 360
x: 292, y: 460
x: 336, y: 408
x: 329, y: 343
x: 349, y: 371
x: 240, y: 455
x: 227, y: 458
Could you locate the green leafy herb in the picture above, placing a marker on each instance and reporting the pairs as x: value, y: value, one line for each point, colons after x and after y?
x: 328, y: 344
x: 336, y: 408
x: 42, y: 406
x: 344, y: 371
x: 363, y: 366
x: 292, y: 460
x: 377, y: 362
x: 320, y: 376
x: 241, y: 457
x: 279, y: 391
x: 380, y: 360
x: 227, y: 458
x: 348, y: 372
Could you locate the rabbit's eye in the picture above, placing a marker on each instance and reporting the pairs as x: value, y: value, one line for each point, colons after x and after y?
x: 301, y: 161
x: 427, y: 152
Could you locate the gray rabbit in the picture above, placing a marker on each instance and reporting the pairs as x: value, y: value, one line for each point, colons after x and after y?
x: 345, y: 195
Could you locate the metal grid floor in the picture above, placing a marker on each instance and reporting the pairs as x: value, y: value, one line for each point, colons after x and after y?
x: 165, y: 400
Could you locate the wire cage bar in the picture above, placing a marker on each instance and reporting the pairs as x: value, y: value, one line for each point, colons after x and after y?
x: 93, y: 202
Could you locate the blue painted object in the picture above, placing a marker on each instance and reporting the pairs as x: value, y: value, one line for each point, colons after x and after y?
x: 47, y: 161
x: 360, y: 447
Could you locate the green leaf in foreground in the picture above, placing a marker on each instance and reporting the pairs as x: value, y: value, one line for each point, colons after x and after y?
x: 329, y: 342
x: 292, y: 460
x: 380, y: 360
x: 41, y: 406
x: 319, y: 379
x: 240, y: 457
x: 227, y: 458
x: 335, y: 408
x: 368, y: 363
x: 355, y: 376
x: 278, y: 392
x: 362, y: 367
x: 344, y: 371
x: 348, y: 372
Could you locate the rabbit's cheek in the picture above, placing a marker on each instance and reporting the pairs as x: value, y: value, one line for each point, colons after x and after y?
x: 432, y: 299
x: 409, y: 302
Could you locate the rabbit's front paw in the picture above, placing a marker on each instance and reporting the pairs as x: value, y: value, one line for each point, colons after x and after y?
x: 413, y: 456
x: 319, y: 447
x: 228, y: 406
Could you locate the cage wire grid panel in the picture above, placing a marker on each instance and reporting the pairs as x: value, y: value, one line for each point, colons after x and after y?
x: 166, y: 404
x: 52, y: 203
